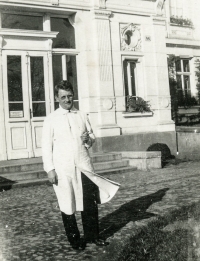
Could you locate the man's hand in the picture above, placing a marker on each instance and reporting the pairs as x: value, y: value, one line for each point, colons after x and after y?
x: 53, y: 177
x: 85, y: 137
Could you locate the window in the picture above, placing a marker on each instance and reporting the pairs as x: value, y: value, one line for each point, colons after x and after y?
x: 64, y: 60
x: 183, y: 80
x: 66, y: 35
x: 181, y: 9
x: 37, y: 86
x: 18, y: 21
x: 129, y: 77
x: 64, y: 68
x: 15, y: 94
x: 176, y: 8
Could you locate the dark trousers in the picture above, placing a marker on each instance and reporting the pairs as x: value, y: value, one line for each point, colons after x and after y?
x: 89, y: 214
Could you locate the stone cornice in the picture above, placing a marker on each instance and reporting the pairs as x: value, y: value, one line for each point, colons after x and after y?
x: 27, y: 33
x: 101, y: 14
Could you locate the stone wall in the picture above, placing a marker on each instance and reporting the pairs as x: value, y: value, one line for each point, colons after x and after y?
x: 188, y: 139
x: 135, y: 142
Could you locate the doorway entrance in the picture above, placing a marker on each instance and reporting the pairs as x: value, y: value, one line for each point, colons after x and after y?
x: 26, y: 101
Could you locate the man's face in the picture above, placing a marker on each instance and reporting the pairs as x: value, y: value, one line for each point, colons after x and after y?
x: 65, y: 99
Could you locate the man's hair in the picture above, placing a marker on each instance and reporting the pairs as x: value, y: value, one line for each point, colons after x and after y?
x: 63, y: 85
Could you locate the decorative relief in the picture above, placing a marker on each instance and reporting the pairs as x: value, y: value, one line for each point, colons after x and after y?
x: 164, y: 102
x: 130, y: 37
x: 71, y: 19
x: 159, y: 7
x: 106, y: 104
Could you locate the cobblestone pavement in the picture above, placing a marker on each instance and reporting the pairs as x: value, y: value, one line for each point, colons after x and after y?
x: 31, y: 226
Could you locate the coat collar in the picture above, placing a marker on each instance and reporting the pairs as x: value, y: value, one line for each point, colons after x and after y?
x: 63, y: 111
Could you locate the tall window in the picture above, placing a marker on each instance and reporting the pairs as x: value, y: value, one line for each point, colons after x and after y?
x: 129, y: 77
x: 64, y: 60
x: 64, y: 68
x: 181, y: 9
x: 15, y: 93
x: 183, y: 79
x: 176, y: 8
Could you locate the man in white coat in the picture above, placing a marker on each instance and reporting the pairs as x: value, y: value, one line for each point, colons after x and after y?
x: 67, y: 136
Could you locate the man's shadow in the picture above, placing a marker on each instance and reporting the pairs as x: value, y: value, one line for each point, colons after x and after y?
x: 132, y: 211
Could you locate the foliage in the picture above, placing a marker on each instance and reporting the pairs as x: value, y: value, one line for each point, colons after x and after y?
x: 173, y: 87
x: 181, y: 21
x: 187, y: 101
x: 178, y: 97
x: 158, y: 241
x: 137, y: 104
x: 198, y: 78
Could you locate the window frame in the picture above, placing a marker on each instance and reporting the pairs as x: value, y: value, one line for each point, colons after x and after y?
x: 175, y: 7
x: 129, y: 89
x: 64, y: 67
x: 64, y: 51
x: 182, y: 74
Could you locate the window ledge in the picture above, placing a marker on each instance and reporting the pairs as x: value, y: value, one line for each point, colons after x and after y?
x: 136, y: 114
x: 27, y: 33
x: 180, y: 25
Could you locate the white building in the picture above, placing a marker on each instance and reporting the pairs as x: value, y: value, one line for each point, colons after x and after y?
x: 107, y: 49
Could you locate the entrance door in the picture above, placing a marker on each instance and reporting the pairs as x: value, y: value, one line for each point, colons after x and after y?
x: 26, y: 97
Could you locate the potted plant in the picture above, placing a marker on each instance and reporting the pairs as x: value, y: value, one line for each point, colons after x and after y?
x: 137, y: 104
x: 180, y: 21
x: 137, y: 107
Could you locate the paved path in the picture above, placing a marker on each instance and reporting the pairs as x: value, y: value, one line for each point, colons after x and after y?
x: 31, y: 227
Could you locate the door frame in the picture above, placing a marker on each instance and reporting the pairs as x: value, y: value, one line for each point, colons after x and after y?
x: 26, y: 122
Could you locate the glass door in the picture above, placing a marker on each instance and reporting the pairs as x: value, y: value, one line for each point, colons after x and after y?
x: 26, y: 101
x: 39, y: 102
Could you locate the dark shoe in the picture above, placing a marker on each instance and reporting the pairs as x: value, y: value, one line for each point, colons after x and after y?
x: 75, y: 245
x: 81, y: 244
x: 99, y: 242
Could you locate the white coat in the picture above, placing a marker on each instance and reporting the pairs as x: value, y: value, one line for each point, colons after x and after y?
x: 64, y: 151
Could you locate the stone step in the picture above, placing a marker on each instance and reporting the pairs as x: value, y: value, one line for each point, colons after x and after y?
x: 34, y: 174
x: 8, y: 184
x: 106, y: 157
x: 37, y: 174
x: 21, y: 168
x: 111, y: 165
x: 32, y: 164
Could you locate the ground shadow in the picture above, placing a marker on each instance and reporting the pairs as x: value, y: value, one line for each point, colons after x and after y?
x: 132, y: 211
x: 5, y: 184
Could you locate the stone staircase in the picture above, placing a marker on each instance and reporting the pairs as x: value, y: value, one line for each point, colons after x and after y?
x: 26, y: 172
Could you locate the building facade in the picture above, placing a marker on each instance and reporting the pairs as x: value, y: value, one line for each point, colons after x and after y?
x: 183, y: 44
x: 106, y: 49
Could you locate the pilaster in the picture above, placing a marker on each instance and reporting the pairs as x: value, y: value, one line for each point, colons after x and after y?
x: 3, y: 153
x: 161, y: 102
x: 106, y: 108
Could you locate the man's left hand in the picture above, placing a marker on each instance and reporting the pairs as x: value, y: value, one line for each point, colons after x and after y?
x: 85, y: 137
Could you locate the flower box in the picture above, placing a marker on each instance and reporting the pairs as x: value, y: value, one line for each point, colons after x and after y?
x: 136, y: 114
